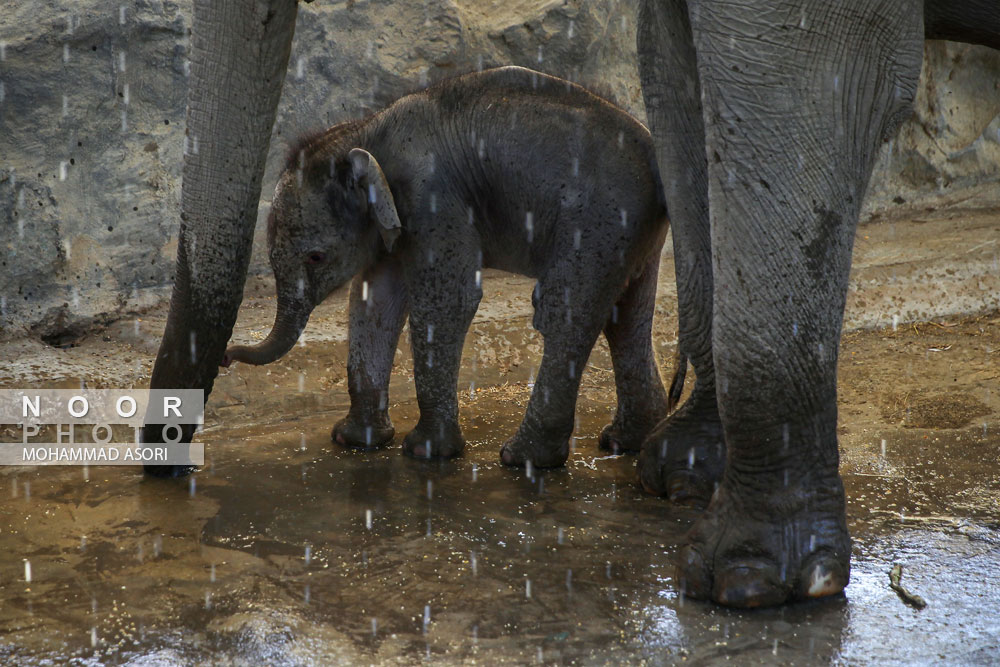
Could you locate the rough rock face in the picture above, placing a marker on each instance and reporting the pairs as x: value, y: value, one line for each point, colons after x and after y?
x: 92, y: 96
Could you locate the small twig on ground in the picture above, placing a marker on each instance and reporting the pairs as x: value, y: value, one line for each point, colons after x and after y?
x: 895, y: 574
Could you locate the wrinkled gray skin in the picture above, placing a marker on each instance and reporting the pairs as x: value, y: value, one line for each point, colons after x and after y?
x: 766, y: 115
x: 507, y: 169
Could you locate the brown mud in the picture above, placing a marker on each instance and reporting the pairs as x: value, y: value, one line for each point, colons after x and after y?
x: 287, y: 549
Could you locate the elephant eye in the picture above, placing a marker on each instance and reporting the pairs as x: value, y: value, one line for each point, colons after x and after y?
x: 316, y: 257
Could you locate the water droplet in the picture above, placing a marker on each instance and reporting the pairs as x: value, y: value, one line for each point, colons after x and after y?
x: 540, y: 56
x: 571, y: 29
x: 883, y: 448
x: 569, y: 580
x: 577, y: 236
x: 27, y: 571
x: 529, y: 225
x: 65, y: 53
x: 121, y: 61
x: 427, y: 617
x: 527, y: 588
x: 63, y: 166
x: 191, y: 487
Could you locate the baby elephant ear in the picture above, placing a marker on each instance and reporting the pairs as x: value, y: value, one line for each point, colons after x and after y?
x: 369, y: 175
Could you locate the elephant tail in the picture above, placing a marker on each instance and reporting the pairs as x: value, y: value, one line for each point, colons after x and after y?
x: 677, y: 383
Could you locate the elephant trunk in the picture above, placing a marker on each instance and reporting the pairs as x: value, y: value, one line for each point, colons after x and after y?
x: 294, y: 309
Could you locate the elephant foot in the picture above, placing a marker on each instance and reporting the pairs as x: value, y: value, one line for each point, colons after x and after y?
x: 754, y: 552
x: 619, y: 439
x: 168, y: 471
x: 359, y: 434
x: 541, y: 452
x: 684, y: 457
x: 439, y: 441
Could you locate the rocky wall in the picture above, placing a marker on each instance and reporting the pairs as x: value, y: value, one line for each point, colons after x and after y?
x: 92, y: 96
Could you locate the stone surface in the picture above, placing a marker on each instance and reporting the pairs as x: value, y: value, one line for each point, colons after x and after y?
x: 92, y: 96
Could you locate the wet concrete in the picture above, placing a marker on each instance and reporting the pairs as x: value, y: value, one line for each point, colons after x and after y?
x: 286, y: 549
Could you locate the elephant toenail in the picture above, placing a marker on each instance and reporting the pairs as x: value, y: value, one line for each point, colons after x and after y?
x: 507, y: 457
x: 749, y: 585
x: 686, y: 488
x: 820, y: 583
x: 823, y: 578
x: 693, y: 577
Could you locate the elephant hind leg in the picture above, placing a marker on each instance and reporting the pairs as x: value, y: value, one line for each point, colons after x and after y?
x: 642, y: 402
x: 572, y: 305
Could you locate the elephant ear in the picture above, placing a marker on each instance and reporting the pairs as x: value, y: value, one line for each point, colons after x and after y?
x: 369, y: 175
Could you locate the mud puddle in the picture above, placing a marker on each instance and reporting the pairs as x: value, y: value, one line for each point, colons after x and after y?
x: 286, y: 549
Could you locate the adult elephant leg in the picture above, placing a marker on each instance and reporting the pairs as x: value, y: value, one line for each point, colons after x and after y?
x: 642, y: 402
x: 239, y: 54
x: 684, y: 456
x: 797, y: 100
x: 379, y: 304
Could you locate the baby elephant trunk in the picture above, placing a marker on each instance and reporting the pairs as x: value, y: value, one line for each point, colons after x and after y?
x: 293, y: 313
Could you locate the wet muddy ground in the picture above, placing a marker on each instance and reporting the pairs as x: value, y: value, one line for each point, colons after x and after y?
x: 287, y: 549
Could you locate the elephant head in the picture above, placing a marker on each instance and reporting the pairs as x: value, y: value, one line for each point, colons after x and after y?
x: 326, y: 225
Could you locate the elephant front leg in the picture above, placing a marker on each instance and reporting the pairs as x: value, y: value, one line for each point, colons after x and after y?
x: 795, y: 107
x: 444, y: 299
x: 239, y: 55
x: 378, y: 309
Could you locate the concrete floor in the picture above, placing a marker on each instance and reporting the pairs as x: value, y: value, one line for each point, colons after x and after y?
x: 286, y: 549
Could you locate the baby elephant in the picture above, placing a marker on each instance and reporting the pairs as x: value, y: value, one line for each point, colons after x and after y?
x: 510, y: 169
